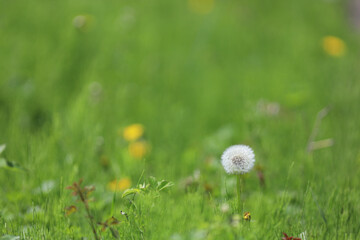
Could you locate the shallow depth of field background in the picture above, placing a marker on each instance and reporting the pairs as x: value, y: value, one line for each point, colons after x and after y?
x: 199, y: 76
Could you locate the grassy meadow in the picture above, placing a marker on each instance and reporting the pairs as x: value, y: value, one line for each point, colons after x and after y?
x: 128, y: 93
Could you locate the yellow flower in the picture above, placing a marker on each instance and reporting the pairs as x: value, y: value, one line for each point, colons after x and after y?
x: 201, y: 6
x: 334, y: 46
x: 138, y: 149
x: 247, y: 216
x: 133, y: 132
x: 120, y: 185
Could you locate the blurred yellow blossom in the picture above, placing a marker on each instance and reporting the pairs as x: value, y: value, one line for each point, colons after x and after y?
x: 201, y: 6
x: 133, y: 132
x: 138, y: 149
x: 119, y: 185
x: 334, y: 46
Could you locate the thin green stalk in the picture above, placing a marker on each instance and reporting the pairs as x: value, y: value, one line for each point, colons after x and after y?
x: 239, y: 192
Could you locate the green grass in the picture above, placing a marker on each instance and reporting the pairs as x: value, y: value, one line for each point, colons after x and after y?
x: 194, y: 81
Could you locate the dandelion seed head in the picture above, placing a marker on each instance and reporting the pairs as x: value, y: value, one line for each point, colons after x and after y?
x: 225, y: 208
x: 83, y: 22
x: 79, y: 21
x: 238, y: 159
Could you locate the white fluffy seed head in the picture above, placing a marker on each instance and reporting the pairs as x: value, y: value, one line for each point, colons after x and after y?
x: 238, y: 159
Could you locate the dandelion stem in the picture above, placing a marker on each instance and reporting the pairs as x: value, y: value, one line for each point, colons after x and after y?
x: 238, y: 187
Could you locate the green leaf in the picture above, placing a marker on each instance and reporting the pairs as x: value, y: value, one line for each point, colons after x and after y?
x: 113, y: 204
x: 131, y: 191
x: 152, y: 182
x: 163, y: 184
x: 2, y: 148
x: 9, y: 237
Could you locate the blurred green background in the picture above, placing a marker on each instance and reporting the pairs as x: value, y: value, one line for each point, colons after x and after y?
x: 199, y: 76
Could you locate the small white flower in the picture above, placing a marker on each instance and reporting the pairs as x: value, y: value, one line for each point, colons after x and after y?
x: 238, y: 159
x: 224, y: 207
